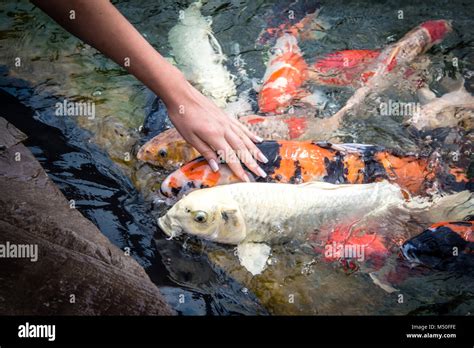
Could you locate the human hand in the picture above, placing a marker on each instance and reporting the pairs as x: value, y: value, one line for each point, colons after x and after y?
x: 213, y: 133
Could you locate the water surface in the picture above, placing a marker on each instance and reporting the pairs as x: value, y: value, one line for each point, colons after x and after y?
x: 88, y: 158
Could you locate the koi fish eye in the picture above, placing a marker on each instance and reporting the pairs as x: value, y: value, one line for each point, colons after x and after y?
x: 200, y: 216
x: 276, y: 51
x: 162, y: 153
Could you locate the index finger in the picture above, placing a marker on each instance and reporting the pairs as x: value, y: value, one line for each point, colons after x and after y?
x: 225, y: 151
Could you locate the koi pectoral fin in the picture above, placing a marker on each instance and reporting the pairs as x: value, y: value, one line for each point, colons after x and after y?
x: 253, y: 256
x: 384, y: 286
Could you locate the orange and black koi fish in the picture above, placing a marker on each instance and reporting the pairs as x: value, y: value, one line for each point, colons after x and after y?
x: 445, y: 246
x: 298, y: 162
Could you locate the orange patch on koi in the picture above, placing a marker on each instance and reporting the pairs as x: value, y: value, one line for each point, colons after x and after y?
x: 355, y: 166
x: 409, y: 172
x: 459, y: 174
x: 342, y: 68
x: 464, y: 228
x: 296, y: 126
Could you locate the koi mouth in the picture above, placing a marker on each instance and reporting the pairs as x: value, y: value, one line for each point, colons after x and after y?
x: 170, y: 229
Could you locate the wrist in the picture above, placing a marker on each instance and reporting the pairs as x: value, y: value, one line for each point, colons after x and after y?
x: 172, y: 87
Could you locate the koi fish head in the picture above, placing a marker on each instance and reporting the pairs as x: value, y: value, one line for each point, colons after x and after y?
x: 167, y: 150
x: 300, y: 18
x: 437, y: 29
x: 207, y: 214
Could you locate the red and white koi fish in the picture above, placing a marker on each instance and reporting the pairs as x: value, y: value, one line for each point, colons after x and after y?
x: 394, y: 57
x: 285, y: 74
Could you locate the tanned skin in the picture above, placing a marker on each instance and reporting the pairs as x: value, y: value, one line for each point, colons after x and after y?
x: 197, y: 119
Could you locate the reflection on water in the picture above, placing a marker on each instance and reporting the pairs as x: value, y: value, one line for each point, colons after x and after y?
x: 55, y: 66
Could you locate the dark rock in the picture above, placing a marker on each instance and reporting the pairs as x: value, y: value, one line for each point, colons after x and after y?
x: 74, y: 258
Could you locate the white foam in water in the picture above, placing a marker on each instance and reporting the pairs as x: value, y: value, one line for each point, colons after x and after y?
x: 317, y: 99
x: 199, y: 55
x: 239, y: 107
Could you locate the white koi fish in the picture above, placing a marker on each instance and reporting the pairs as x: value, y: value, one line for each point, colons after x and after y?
x: 256, y: 215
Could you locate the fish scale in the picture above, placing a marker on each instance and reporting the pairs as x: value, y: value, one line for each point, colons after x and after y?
x: 306, y: 207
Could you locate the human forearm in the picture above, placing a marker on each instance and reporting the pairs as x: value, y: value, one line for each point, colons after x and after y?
x: 198, y: 119
x: 100, y: 24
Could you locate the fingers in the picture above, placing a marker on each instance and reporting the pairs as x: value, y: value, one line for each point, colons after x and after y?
x: 253, y: 149
x: 207, y: 152
x: 227, y: 154
x: 238, y: 145
x: 233, y: 162
x: 233, y: 142
x: 246, y: 131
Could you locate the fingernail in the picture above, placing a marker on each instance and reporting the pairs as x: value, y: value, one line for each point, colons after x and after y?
x: 261, y: 172
x: 245, y: 178
x: 214, y: 165
x: 258, y: 139
x: 262, y: 158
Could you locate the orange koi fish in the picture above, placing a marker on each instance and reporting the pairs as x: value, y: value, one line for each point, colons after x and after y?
x: 169, y: 150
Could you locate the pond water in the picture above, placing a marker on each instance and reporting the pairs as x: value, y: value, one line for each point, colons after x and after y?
x: 93, y: 160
